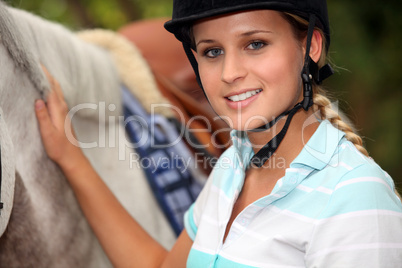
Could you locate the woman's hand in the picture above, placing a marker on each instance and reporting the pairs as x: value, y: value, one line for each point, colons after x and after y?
x: 55, y: 127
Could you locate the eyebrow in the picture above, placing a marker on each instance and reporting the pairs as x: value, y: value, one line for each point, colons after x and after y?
x: 255, y: 32
x: 208, y: 41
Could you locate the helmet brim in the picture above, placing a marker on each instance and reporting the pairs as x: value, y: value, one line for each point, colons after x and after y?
x: 176, y: 25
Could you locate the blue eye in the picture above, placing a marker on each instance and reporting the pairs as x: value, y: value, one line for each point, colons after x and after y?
x: 256, y: 45
x: 213, y: 53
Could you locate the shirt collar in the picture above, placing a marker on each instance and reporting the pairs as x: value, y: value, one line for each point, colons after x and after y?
x: 320, y: 148
x: 316, y: 153
x: 242, y: 146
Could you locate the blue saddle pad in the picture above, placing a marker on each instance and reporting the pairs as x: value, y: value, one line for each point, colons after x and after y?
x: 164, y: 157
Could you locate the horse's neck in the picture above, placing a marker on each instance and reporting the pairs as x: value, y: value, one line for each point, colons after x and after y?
x: 74, y: 63
x: 46, y: 194
x: 85, y: 72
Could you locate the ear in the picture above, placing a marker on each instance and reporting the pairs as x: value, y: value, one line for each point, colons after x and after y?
x: 316, y: 46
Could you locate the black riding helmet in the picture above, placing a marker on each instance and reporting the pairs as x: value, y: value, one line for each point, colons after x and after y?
x: 186, y: 12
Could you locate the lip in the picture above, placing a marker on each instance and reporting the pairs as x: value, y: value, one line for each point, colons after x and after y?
x: 240, y: 104
x: 240, y: 92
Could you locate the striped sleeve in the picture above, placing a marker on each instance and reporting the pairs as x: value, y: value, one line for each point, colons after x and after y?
x: 361, y: 225
x: 189, y: 223
x: 193, y: 214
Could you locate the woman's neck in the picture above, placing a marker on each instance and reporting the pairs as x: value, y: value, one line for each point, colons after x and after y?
x: 301, y: 128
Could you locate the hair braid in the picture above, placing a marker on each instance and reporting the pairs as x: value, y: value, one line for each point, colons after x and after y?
x: 323, y: 106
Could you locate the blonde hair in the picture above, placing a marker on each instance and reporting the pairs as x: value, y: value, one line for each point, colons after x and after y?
x: 322, y: 104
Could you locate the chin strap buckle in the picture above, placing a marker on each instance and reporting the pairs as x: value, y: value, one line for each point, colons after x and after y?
x: 307, y: 90
x: 310, y: 74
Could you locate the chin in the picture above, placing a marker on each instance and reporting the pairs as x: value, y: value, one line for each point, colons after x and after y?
x: 244, y: 121
x: 245, y: 126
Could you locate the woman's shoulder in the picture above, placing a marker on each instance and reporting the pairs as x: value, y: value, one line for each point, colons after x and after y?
x: 358, y: 166
x: 360, y: 183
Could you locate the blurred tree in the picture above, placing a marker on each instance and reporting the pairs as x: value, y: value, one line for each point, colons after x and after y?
x: 366, y: 41
x: 110, y: 14
x: 81, y: 13
x: 130, y: 9
x: 365, y: 45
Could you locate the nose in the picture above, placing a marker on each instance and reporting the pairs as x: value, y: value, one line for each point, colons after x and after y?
x: 233, y: 68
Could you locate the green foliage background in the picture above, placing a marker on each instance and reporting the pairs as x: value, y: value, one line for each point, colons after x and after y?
x: 365, y: 46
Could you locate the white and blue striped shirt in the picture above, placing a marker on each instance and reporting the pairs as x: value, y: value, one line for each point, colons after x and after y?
x: 333, y: 208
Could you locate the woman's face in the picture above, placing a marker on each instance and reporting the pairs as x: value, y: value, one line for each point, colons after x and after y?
x: 249, y: 64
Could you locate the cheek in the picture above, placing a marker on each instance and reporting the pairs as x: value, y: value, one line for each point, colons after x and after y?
x: 283, y: 71
x: 209, y: 79
x: 280, y: 77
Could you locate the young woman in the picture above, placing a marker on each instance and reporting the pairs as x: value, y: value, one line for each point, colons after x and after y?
x: 296, y: 188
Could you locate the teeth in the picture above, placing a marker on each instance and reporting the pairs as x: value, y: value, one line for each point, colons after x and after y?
x: 244, y: 96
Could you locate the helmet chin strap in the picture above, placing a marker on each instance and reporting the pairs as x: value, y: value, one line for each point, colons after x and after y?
x: 193, y: 62
x: 309, y: 73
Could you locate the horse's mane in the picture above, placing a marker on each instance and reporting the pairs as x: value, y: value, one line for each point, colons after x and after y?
x: 17, y: 47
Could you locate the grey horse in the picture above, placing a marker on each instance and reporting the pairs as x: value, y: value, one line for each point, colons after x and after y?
x: 41, y: 224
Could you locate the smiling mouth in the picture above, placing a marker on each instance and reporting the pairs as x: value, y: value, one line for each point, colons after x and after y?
x: 244, y: 96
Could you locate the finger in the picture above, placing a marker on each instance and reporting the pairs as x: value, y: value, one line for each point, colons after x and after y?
x: 54, y: 84
x: 57, y: 88
x: 56, y: 110
x: 57, y: 107
x: 46, y: 126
